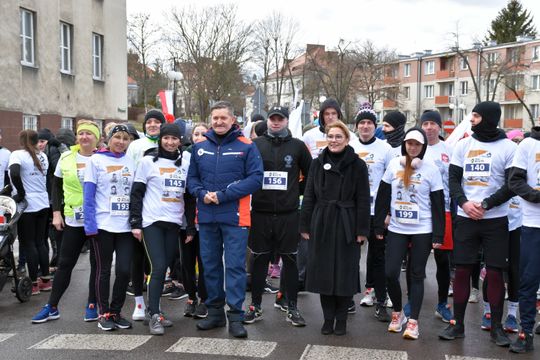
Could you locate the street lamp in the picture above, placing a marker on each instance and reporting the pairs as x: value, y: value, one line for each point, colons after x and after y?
x: 174, y: 76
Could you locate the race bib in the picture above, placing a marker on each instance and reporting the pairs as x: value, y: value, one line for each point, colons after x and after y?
x: 407, y: 213
x: 119, y: 205
x: 78, y: 214
x: 275, y: 180
x: 174, y: 183
x: 477, y: 167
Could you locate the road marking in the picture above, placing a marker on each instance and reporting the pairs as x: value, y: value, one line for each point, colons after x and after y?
x: 209, y: 346
x: 320, y: 352
x: 457, y: 357
x: 92, y: 342
x: 5, y: 336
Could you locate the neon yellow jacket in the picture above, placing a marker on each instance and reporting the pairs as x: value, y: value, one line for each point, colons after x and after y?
x: 73, y: 191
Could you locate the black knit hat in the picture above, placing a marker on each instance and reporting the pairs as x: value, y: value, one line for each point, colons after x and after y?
x: 395, y: 118
x: 490, y: 112
x: 431, y: 115
x: 257, y: 117
x: 366, y: 113
x: 45, y: 134
x: 328, y: 103
x: 260, y: 128
x: 170, y: 129
x: 153, y: 114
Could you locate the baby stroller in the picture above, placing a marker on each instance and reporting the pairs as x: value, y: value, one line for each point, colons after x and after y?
x: 10, y: 213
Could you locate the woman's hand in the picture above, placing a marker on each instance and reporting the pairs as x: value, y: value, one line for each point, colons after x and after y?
x: 305, y: 236
x: 361, y: 239
x: 189, y: 239
x: 57, y: 221
x: 379, y: 237
x: 386, y: 221
x: 137, y: 234
x: 437, y: 245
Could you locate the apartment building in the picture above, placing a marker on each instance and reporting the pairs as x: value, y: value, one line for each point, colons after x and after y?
x: 61, y: 60
x: 450, y: 81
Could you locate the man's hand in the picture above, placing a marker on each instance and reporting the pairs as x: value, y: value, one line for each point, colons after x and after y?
x: 379, y: 237
x: 361, y: 239
x: 137, y: 234
x: 473, y: 210
x: 189, y: 239
x: 57, y: 221
x: 211, y: 197
x: 386, y: 221
x: 305, y: 236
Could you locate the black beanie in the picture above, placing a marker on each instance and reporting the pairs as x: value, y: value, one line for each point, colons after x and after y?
x: 366, y: 113
x: 170, y: 129
x: 490, y: 112
x: 395, y: 118
x: 45, y: 134
x: 260, y: 128
x: 156, y: 114
x: 257, y: 117
x: 328, y: 103
x: 431, y: 115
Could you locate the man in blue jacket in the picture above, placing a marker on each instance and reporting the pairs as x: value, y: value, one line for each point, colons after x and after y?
x: 224, y: 171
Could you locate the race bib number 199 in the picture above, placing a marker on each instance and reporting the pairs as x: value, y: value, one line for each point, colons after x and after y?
x: 407, y: 213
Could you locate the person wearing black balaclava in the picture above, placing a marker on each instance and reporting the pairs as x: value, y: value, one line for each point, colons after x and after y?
x: 394, y: 130
x: 478, y: 181
x: 274, y: 213
x: 157, y: 208
x: 315, y: 139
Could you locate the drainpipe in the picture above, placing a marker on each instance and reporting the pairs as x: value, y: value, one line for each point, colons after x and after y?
x: 419, y: 86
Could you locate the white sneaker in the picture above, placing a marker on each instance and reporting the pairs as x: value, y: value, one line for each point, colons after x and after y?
x: 474, y: 297
x: 369, y: 298
x: 388, y: 303
x: 411, y: 332
x: 398, y: 320
x: 138, y: 313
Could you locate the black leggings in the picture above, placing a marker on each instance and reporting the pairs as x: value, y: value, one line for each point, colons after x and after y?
x: 289, y: 278
x: 396, y: 250
x: 375, y: 277
x: 30, y: 229
x: 139, y: 267
x: 67, y: 259
x: 335, y: 307
x: 191, y: 256
x: 161, y: 243
x: 105, y: 244
x: 442, y: 260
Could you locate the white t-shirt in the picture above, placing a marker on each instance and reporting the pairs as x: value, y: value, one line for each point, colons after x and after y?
x: 410, y: 208
x: 440, y: 154
x: 113, y: 178
x: 4, y: 161
x: 483, y: 165
x: 34, y: 181
x: 138, y: 147
x: 394, y: 151
x: 515, y: 216
x: 527, y: 158
x: 377, y: 156
x: 75, y: 221
x: 165, y: 188
x: 316, y: 141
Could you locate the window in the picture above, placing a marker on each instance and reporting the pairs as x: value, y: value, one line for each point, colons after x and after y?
x: 463, y: 87
x: 97, y: 56
x: 536, y: 53
x: 429, y: 68
x: 536, y: 82
x: 66, y: 123
x: 407, y: 92
x: 428, y: 91
x: 407, y: 70
x: 27, y: 38
x: 514, y: 55
x: 491, y: 85
x: 535, y: 110
x: 464, y: 63
x: 65, y: 47
x: 30, y: 122
x: 492, y: 58
x: 451, y: 89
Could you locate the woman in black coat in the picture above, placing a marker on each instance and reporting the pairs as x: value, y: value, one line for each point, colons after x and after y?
x: 335, y: 219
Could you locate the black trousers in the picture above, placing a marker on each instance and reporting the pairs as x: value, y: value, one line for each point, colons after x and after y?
x: 105, y: 245
x: 191, y: 257
x: 375, y: 265
x: 30, y: 228
x: 67, y: 259
x: 335, y: 307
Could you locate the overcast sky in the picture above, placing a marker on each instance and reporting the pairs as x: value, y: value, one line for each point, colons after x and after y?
x: 404, y: 25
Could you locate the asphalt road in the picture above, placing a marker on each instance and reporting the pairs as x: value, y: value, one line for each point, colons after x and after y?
x: 272, y: 338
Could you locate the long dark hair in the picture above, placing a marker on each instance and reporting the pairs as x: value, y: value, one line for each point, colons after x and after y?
x: 28, y: 140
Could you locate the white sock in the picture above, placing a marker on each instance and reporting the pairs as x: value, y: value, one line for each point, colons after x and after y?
x: 487, y: 308
x: 513, y: 308
x: 139, y: 300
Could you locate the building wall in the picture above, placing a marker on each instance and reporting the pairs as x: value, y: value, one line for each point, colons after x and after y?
x: 43, y: 90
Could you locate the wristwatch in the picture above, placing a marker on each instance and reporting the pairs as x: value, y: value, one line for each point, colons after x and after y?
x: 484, y: 204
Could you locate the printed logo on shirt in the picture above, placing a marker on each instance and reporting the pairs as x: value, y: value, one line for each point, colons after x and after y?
x: 288, y: 161
x: 80, y: 171
x: 201, y: 152
x: 514, y: 203
x: 113, y: 168
x: 445, y: 158
x: 537, y: 157
x: 367, y: 157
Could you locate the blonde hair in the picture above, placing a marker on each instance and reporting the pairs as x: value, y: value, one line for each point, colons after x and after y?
x: 340, y: 125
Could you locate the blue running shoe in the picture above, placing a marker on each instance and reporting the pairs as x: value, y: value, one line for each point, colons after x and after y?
x: 91, y: 313
x: 443, y: 312
x: 511, y: 325
x: 47, y: 313
x: 486, y: 322
x: 407, y: 310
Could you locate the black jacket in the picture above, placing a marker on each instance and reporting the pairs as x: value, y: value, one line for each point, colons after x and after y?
x: 282, y: 154
x: 335, y: 211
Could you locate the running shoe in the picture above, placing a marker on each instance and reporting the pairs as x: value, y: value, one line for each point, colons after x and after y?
x: 281, y: 302
x: 45, y: 284
x: 523, y: 344
x: 35, y: 288
x: 269, y: 288
x: 474, y: 297
x: 294, y: 317
x: 369, y: 298
x: 130, y: 291
x: 201, y: 311
x: 120, y: 322
x: 381, y: 313
x: 47, y: 313
x: 443, y: 312
x: 486, y: 322
x: 511, y: 324
x: 352, y: 308
x: 178, y: 293
x: 138, y: 313
x: 253, y: 314
x: 398, y: 320
x: 155, y: 326
x: 189, y: 309
x: 411, y: 332
x: 106, y: 323
x: 452, y: 331
x: 91, y: 314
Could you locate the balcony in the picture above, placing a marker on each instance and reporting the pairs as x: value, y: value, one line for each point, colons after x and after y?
x: 511, y: 96
x: 389, y: 104
x: 390, y: 80
x: 513, y: 123
x: 445, y: 74
x: 442, y: 100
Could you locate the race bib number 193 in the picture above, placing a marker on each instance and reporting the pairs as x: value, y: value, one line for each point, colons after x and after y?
x: 119, y: 205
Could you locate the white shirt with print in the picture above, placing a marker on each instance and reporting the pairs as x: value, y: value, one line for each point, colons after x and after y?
x: 441, y: 154
x: 4, y: 161
x: 316, y: 141
x: 34, y: 181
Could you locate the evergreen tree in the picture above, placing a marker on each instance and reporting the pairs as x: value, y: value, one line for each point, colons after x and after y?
x: 512, y: 21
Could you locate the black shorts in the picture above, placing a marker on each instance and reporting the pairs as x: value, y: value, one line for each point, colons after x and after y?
x: 490, y: 235
x: 274, y: 233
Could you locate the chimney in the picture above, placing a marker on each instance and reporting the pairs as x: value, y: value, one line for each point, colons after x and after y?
x: 427, y: 52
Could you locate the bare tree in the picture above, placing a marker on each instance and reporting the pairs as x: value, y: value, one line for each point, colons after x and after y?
x: 143, y: 37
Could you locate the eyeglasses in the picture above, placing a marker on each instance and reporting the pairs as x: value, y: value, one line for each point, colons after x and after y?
x: 335, y: 137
